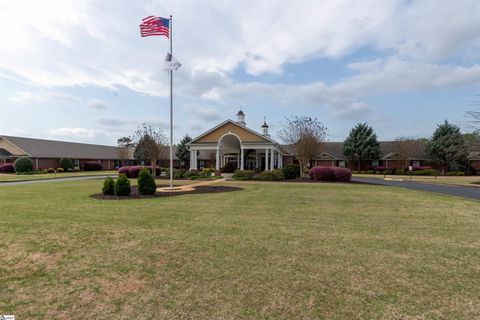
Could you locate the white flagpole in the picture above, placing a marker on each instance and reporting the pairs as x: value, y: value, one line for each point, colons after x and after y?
x: 171, y: 106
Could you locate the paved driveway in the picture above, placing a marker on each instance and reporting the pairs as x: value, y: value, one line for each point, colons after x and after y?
x: 459, y: 191
x: 16, y: 183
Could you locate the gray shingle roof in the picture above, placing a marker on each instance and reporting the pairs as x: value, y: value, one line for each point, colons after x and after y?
x: 40, y: 148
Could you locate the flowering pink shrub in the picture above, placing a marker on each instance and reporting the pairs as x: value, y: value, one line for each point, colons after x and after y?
x: 342, y: 174
x: 123, y: 170
x: 330, y: 174
x: 7, y: 167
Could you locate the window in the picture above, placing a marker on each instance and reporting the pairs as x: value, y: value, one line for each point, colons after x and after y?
x: 76, y: 163
x: 117, y: 164
x: 374, y: 163
x: 341, y: 163
x: 416, y: 163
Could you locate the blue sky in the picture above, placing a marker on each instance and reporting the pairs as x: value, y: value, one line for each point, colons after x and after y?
x: 79, y: 71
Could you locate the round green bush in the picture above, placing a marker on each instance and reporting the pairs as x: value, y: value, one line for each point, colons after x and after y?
x: 146, y: 183
x: 66, y: 163
x: 122, y: 186
x: 108, y: 186
x: 23, y: 164
x: 291, y: 171
x: 60, y: 170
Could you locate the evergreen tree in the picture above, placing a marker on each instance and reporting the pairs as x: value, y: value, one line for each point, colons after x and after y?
x: 447, y: 146
x: 361, y: 144
x: 182, y: 153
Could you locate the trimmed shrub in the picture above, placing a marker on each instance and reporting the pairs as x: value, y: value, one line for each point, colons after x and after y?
x: 276, y: 174
x: 330, y: 174
x: 76, y: 169
x: 291, y: 171
x: 23, y: 164
x: 69, y: 170
x: 108, y: 187
x: 66, y: 163
x: 60, y: 170
x: 229, y: 167
x: 122, y: 186
x: 426, y: 172
x: 51, y: 170
x: 243, y: 174
x: 7, y: 167
x: 146, y: 183
x: 92, y: 166
x: 455, y: 173
x: 177, y: 173
x: 341, y: 174
x: 123, y: 170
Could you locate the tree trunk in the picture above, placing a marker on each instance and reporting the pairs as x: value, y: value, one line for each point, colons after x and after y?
x: 358, y: 165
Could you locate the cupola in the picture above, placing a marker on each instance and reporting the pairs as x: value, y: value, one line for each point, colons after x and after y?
x: 265, y: 127
x: 241, y: 118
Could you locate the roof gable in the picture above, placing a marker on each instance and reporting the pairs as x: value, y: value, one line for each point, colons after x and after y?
x: 245, y: 134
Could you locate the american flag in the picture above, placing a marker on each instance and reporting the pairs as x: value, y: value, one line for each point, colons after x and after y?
x: 154, y: 26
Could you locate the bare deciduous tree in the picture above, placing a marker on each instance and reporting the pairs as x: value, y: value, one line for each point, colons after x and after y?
x: 474, y: 116
x: 304, y: 138
x: 124, y: 146
x: 149, y: 145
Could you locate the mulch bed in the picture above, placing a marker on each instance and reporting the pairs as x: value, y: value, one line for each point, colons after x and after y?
x: 197, y: 190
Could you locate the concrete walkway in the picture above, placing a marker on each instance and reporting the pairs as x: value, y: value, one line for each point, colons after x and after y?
x: 189, y: 187
x: 459, y: 191
x: 48, y: 180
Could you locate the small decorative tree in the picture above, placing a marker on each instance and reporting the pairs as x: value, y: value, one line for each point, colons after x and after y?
x: 146, y: 183
x: 182, y: 153
x: 361, y: 144
x: 149, y: 143
x: 304, y: 138
x: 124, y: 146
x: 447, y: 146
x: 66, y: 163
x: 122, y: 186
x: 108, y: 186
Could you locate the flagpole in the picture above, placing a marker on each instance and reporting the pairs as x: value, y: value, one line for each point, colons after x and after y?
x: 171, y: 106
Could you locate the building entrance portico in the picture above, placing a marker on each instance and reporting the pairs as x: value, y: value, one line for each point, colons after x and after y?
x: 238, y: 146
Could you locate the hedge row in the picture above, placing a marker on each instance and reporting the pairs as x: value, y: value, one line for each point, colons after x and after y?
x: 134, y: 171
x: 7, y: 167
x: 276, y: 174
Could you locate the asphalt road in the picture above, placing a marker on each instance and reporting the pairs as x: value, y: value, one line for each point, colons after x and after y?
x: 16, y: 183
x: 459, y: 191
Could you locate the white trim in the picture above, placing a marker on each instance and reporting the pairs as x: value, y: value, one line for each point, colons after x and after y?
x: 14, y: 145
x: 235, y: 123
x: 328, y: 154
x: 229, y: 133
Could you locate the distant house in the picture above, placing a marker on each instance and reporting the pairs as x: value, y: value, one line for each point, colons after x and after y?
x: 47, y: 153
x: 228, y: 142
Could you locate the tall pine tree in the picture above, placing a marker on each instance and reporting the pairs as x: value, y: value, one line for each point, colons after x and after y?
x: 361, y: 144
x: 447, y: 146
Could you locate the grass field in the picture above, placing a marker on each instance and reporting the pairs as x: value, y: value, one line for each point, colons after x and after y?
x: 23, y: 177
x: 469, y: 181
x: 272, y: 250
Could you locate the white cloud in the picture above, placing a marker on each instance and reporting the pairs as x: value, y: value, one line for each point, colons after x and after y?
x: 97, y: 104
x: 202, y: 113
x: 78, y: 44
x: 75, y: 133
x: 44, y: 96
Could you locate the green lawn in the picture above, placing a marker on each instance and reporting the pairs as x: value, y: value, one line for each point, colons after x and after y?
x: 23, y: 177
x: 272, y: 250
x: 469, y: 181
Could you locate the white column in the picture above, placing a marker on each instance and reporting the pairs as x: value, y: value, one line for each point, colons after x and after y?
x: 256, y: 160
x: 272, y: 158
x: 266, y: 159
x: 217, y: 160
x: 280, y: 161
x: 241, y: 159
x: 191, y: 159
x: 194, y: 159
